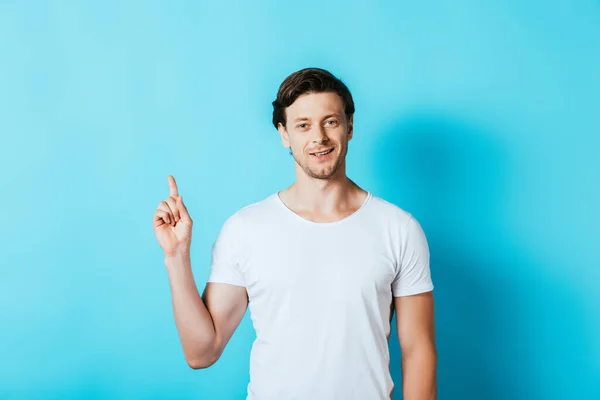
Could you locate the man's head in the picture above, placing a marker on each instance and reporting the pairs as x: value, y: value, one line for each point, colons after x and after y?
x: 313, y: 113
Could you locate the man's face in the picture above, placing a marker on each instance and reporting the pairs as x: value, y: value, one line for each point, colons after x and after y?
x: 317, y: 132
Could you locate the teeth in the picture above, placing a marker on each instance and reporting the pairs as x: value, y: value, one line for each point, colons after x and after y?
x: 322, y: 153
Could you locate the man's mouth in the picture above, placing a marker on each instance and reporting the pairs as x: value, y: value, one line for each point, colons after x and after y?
x: 322, y: 153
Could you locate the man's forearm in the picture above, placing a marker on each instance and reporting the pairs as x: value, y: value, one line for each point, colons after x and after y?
x: 192, y: 318
x: 419, y: 374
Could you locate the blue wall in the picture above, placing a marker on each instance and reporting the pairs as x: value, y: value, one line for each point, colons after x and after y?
x: 479, y: 117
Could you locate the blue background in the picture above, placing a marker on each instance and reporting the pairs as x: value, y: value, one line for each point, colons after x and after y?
x: 479, y: 117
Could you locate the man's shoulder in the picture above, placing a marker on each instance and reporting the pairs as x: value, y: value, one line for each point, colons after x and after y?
x: 390, y: 211
x: 255, y: 212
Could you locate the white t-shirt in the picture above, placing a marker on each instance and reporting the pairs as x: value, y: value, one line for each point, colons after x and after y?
x: 320, y: 295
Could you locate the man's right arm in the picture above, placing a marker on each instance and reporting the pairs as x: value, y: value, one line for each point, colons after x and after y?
x: 205, y: 324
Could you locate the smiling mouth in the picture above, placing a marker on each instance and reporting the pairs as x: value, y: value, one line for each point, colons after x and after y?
x: 322, y: 153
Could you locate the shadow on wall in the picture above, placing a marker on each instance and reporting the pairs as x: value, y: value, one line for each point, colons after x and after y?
x: 505, y: 328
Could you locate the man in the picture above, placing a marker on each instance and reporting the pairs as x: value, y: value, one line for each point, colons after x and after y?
x: 321, y: 265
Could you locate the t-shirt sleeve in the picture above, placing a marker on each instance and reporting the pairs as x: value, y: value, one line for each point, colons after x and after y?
x: 414, y: 275
x: 224, y: 267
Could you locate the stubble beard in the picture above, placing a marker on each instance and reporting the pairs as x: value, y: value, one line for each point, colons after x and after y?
x: 325, y: 176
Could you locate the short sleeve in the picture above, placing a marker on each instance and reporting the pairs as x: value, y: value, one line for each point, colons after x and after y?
x: 224, y: 266
x: 414, y: 275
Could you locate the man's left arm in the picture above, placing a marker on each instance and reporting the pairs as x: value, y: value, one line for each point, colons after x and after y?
x: 416, y: 334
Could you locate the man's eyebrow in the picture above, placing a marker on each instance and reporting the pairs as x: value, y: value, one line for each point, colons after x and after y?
x: 325, y: 117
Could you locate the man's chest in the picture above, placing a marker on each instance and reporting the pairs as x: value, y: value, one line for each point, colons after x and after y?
x: 318, y: 265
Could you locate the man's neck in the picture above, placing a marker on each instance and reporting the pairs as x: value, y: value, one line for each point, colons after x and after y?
x: 323, y: 198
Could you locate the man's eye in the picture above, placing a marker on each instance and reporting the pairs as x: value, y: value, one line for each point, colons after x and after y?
x: 332, y: 122
x: 301, y: 126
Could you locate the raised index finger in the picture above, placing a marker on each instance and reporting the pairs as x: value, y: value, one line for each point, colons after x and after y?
x: 173, y: 187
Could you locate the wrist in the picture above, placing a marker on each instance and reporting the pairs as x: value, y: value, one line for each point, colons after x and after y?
x: 178, y: 257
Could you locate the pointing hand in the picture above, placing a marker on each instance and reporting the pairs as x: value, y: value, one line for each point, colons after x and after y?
x: 172, y: 223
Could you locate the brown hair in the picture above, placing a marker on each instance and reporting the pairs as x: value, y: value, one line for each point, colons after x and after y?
x: 309, y: 80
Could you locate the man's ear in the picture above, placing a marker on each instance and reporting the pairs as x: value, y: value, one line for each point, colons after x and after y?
x: 285, y: 138
x: 350, y: 127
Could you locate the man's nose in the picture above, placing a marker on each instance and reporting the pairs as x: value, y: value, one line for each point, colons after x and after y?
x: 319, y: 135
